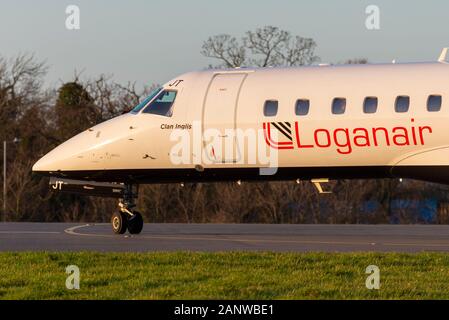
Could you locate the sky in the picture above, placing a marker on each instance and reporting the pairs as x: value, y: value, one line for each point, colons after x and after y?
x: 150, y: 42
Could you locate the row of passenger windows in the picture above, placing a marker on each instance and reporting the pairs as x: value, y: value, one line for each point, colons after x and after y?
x: 370, y: 105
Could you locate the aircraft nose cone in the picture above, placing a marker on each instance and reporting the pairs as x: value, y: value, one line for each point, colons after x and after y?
x: 43, y: 164
x: 85, y: 151
x: 58, y: 158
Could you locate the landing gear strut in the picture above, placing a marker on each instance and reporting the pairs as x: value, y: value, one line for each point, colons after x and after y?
x: 126, y: 217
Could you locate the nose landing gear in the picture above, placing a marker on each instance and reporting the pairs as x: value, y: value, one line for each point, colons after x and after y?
x: 126, y: 218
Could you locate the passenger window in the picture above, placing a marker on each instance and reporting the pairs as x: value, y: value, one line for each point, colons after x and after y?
x: 270, y: 108
x: 302, y: 107
x: 402, y: 104
x: 434, y: 103
x: 163, y: 104
x: 339, y: 106
x: 370, y: 105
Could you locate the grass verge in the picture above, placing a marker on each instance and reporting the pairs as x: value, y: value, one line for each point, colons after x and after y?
x: 236, y: 275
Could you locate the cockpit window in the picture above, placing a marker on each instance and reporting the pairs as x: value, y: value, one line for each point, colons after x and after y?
x: 141, y: 105
x: 162, y: 104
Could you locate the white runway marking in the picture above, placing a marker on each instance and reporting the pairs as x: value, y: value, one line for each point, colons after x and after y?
x: 72, y: 231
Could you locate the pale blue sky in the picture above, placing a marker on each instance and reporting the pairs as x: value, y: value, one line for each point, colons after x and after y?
x: 153, y: 41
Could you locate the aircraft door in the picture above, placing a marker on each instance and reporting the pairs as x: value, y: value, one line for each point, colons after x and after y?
x: 219, y: 118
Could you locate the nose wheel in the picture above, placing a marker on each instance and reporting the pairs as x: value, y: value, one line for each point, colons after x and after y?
x: 126, y: 218
x: 135, y: 223
x: 119, y: 222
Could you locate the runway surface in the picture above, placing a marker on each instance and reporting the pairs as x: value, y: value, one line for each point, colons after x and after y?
x: 224, y: 237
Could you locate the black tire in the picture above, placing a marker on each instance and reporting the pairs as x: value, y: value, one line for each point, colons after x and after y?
x: 119, y: 222
x: 135, y: 223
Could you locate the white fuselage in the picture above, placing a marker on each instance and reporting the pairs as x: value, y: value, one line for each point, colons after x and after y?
x: 144, y: 147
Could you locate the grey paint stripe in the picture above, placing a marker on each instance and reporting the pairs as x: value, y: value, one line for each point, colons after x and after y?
x: 29, y: 232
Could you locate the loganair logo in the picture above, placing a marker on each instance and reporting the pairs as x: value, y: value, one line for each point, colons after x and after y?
x: 290, y: 135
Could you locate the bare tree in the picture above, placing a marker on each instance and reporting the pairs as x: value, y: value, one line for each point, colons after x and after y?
x: 267, y: 46
x: 20, y: 88
x: 111, y: 98
x: 225, y: 48
x: 21, y: 77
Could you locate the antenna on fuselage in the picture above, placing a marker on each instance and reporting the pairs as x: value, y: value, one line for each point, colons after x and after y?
x: 443, y: 55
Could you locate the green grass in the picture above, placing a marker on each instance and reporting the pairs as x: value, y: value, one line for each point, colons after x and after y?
x: 186, y: 275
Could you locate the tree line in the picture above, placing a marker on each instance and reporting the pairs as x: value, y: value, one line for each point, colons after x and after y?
x: 36, y: 119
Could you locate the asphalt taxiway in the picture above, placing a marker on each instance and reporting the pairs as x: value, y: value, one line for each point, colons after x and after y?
x: 224, y: 237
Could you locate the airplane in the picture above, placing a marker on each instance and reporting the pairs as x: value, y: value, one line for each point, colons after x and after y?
x: 312, y: 123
